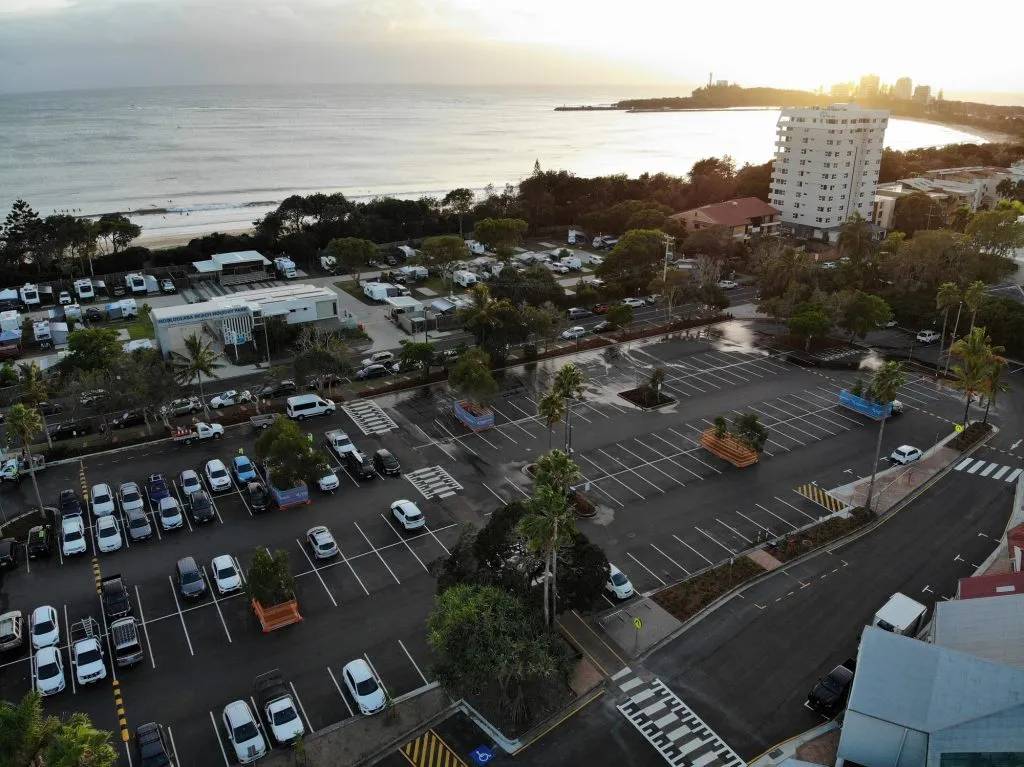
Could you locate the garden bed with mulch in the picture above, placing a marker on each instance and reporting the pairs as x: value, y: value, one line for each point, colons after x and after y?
x: 543, y: 698
x: 646, y: 398
x: 686, y: 599
x: 792, y: 546
x: 970, y: 436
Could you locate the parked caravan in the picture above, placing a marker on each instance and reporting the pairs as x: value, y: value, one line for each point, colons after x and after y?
x: 378, y: 291
x: 135, y: 284
x: 85, y: 290
x: 285, y: 267
x: 576, y: 236
x: 415, y: 272
x: 476, y: 248
x: 465, y: 278
x: 29, y: 295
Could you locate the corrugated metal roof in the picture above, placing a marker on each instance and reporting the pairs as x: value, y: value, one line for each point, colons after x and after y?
x: 985, y: 627
x: 929, y: 688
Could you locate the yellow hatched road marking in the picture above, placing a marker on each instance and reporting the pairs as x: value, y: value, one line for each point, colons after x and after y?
x: 429, y: 750
x: 819, y: 496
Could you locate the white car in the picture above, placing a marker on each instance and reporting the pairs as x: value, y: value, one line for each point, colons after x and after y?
x: 321, y: 542
x: 329, y: 482
x: 102, y: 500
x: 243, y: 732
x: 189, y: 482
x: 618, y: 584
x: 170, y: 513
x: 558, y: 268
x: 229, y: 398
x: 379, y: 358
x: 363, y: 687
x: 595, y: 260
x: 44, y: 627
x: 728, y: 284
x: 578, y: 331
x: 927, y: 337
x: 227, y: 575
x: 408, y: 514
x: 108, y: 534
x: 72, y: 536
x: 636, y: 303
x: 88, y: 661
x: 284, y: 720
x: 64, y: 298
x: 905, y: 454
x: 130, y: 497
x: 217, y: 475
x: 48, y: 669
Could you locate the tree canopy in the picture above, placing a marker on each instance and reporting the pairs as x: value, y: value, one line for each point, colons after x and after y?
x: 289, y: 455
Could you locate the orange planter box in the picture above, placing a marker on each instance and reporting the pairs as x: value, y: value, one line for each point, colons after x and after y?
x: 276, y: 616
x: 729, y: 448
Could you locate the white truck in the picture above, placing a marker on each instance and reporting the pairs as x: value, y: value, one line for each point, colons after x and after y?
x: 340, y: 443
x: 279, y: 710
x: 900, y: 615
x: 87, y: 651
x: 186, y: 435
x: 285, y: 267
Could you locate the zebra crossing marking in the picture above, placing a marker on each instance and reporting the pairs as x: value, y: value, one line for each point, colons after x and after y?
x: 992, y: 471
x: 433, y: 482
x: 369, y: 417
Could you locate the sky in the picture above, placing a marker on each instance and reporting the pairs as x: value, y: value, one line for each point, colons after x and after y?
x: 672, y: 44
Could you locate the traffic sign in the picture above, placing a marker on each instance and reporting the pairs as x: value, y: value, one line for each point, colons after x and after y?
x: 638, y: 623
x: 958, y: 427
x: 481, y: 755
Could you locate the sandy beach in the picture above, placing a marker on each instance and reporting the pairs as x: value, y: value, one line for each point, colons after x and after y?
x: 163, y: 240
x: 994, y: 137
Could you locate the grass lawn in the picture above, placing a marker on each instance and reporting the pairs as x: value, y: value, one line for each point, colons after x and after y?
x: 356, y: 291
x: 142, y: 328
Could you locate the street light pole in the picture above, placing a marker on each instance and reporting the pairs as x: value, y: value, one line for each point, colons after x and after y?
x: 955, y: 326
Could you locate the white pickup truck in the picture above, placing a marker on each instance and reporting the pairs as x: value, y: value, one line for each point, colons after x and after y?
x: 186, y: 435
x: 340, y: 443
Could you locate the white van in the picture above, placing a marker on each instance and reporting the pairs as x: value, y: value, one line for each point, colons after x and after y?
x: 308, y: 405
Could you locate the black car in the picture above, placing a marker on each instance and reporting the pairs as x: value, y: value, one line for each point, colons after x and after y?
x: 328, y: 380
x: 151, y: 744
x: 68, y: 504
x: 279, y: 389
x: 372, y: 371
x: 92, y: 314
x: 257, y: 497
x: 50, y: 408
x: 68, y: 429
x: 604, y: 326
x: 128, y: 418
x: 201, y: 506
x: 8, y: 554
x: 39, y: 542
x: 386, y: 463
x: 359, y: 465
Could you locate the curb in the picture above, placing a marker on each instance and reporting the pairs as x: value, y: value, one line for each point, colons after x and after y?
x: 833, y: 545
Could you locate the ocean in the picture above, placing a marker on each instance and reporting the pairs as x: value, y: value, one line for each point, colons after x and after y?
x: 220, y: 157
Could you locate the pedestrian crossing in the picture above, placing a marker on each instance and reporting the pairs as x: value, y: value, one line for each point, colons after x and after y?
x: 668, y: 724
x: 369, y: 417
x: 433, y: 482
x: 989, y: 469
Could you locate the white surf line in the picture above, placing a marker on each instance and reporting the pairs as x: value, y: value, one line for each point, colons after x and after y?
x: 692, y: 549
x: 645, y: 567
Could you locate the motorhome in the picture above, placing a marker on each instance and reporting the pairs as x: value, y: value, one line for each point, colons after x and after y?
x: 415, y: 272
x: 465, y: 278
x: 476, y: 248
x: 285, y: 267
x: 576, y: 236
x: 85, y: 290
x: 135, y: 284
x: 42, y: 334
x: 378, y: 291
x: 29, y: 295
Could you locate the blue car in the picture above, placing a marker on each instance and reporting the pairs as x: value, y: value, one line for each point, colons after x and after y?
x: 243, y: 468
x: 157, y: 489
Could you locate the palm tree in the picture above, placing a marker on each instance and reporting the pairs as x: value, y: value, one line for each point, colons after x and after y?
x: 548, y: 524
x: 34, y: 391
x: 568, y: 385
x: 974, y: 296
x: 479, y: 315
x: 945, y: 300
x: 26, y: 423
x: 992, y: 384
x: 855, y: 241
x: 552, y: 409
x: 884, y: 386
x: 557, y: 470
x: 977, y: 353
x: 197, y: 360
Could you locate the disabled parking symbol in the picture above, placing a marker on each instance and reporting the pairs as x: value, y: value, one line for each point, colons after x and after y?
x: 481, y: 755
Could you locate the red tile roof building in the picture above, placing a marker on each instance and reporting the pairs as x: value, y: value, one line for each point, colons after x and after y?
x: 746, y: 217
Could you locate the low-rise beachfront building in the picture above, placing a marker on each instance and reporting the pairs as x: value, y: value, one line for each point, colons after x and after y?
x: 233, y: 268
x: 238, y: 319
x: 744, y: 217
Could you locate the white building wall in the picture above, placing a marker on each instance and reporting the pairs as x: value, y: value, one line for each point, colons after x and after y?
x: 826, y: 164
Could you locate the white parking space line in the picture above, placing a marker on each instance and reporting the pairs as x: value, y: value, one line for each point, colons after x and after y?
x: 432, y: 441
x: 458, y: 439
x: 528, y: 417
x: 629, y: 468
x: 261, y: 724
x: 608, y: 476
x: 730, y: 527
x: 835, y: 412
x: 670, y: 559
x: 804, y: 416
x: 216, y: 603
x: 826, y: 415
x: 645, y: 567
x: 402, y: 540
x: 709, y: 536
x: 513, y: 422
x: 71, y: 650
x: 796, y: 508
x: 434, y: 536
x: 375, y: 551
x: 378, y: 677
x: 774, y: 422
x: 302, y: 708
x: 651, y: 465
x: 340, y: 691
x: 720, y: 358
x: 755, y: 523
x: 316, y: 570
x: 501, y: 500
x: 692, y: 549
x: 142, y: 620
x: 181, y: 615
x: 676, y: 448
x: 784, y: 521
x: 153, y: 516
x: 353, y: 571
x: 414, y: 665
x: 674, y: 383
x: 241, y: 495
x: 174, y: 746
x: 688, y: 454
x: 216, y: 734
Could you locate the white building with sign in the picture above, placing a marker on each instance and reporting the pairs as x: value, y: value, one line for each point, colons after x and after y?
x: 237, y: 318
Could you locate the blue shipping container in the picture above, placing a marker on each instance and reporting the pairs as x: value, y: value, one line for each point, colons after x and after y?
x: 865, y: 406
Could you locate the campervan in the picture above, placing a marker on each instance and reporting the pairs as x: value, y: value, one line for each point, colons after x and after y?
x: 85, y: 290
x: 285, y: 267
x: 476, y: 248
x: 414, y: 272
x: 378, y: 291
x: 465, y: 279
x: 135, y: 284
x: 576, y: 236
x: 29, y: 295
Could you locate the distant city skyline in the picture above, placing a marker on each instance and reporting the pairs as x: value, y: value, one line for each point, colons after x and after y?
x: 74, y: 44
